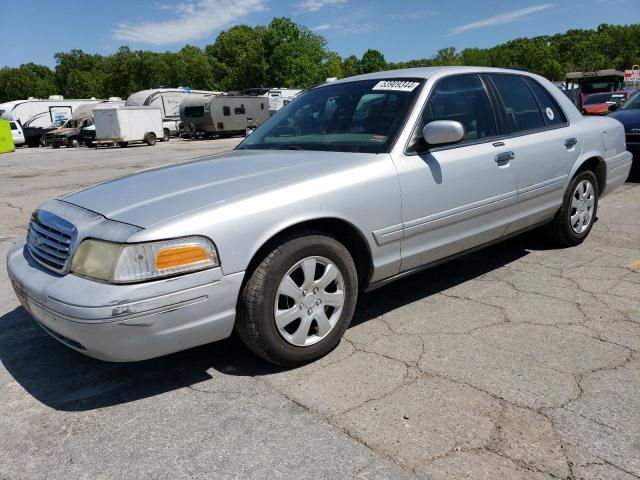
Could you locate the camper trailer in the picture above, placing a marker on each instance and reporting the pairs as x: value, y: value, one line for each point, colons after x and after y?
x: 37, y: 116
x: 168, y: 100
x: 222, y: 115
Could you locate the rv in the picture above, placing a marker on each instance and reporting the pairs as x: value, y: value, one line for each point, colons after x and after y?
x: 222, y: 115
x: 38, y: 116
x: 168, y: 101
x: 125, y: 125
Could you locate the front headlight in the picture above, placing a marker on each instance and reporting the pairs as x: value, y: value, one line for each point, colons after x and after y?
x: 137, y: 262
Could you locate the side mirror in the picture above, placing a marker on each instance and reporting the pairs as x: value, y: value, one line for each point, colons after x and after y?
x: 440, y: 132
x: 613, y: 107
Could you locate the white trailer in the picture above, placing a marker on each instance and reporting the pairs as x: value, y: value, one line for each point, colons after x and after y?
x: 168, y: 100
x: 125, y: 125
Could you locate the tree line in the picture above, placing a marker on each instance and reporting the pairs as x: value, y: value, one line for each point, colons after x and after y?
x: 285, y: 54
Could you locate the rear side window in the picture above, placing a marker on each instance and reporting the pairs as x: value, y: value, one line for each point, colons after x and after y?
x: 520, y: 104
x: 226, y: 111
x: 552, y: 113
x: 13, y: 125
x: 461, y: 98
x: 239, y: 110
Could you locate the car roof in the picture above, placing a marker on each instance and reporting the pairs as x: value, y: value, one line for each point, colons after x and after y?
x: 425, y: 72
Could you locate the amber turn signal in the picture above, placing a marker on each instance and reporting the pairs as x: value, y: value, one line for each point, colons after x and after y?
x: 180, y: 255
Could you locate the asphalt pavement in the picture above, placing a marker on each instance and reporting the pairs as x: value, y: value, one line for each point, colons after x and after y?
x: 520, y: 361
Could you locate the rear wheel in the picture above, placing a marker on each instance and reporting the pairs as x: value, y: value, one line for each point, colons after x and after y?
x: 73, y: 143
x: 576, y: 217
x: 299, y: 300
x: 150, y: 138
x: 124, y: 144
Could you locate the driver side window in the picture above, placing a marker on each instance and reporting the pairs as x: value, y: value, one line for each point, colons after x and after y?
x: 461, y: 98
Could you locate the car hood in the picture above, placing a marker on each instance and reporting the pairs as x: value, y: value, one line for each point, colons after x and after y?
x: 152, y: 196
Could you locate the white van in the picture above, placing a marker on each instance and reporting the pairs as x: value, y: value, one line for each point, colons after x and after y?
x: 16, y: 133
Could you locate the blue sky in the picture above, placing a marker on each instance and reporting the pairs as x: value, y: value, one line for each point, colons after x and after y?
x: 33, y: 30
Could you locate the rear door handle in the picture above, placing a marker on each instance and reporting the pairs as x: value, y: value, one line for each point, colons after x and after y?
x: 570, y: 142
x: 504, y: 158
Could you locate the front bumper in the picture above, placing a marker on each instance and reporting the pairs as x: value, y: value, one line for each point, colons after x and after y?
x: 123, y: 323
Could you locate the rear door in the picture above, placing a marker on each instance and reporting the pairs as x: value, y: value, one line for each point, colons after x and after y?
x: 543, y: 143
x: 457, y: 196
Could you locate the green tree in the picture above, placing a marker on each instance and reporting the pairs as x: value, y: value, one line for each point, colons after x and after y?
x: 372, y: 61
x: 237, y: 58
x: 294, y: 54
x: 350, y: 66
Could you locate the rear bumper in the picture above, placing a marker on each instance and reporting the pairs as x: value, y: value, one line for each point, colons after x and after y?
x: 618, y: 168
x: 123, y: 323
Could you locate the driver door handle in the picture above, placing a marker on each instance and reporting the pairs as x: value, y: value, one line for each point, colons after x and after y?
x: 504, y: 158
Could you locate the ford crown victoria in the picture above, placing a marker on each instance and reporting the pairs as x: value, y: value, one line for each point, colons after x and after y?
x: 352, y: 185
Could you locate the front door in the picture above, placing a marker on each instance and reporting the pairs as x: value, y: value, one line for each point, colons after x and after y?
x: 457, y: 196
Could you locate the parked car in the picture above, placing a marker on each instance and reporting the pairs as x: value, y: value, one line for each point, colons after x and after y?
x: 598, y: 103
x: 16, y: 133
x: 126, y: 125
x: 629, y: 115
x: 277, y: 238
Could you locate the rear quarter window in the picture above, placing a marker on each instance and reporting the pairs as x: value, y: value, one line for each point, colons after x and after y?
x: 552, y: 113
x: 520, y: 105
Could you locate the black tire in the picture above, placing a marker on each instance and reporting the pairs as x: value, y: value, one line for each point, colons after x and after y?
x: 150, y: 138
x: 123, y: 144
x: 74, y: 143
x: 55, y: 146
x: 255, y: 323
x: 166, y: 135
x: 560, y: 229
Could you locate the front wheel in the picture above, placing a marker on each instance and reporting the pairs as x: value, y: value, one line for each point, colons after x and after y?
x: 166, y: 135
x: 576, y: 216
x: 299, y: 300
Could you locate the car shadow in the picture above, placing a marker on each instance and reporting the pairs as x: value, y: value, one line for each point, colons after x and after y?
x: 66, y: 380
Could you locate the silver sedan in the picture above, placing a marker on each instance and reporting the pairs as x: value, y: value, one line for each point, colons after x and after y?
x: 350, y: 186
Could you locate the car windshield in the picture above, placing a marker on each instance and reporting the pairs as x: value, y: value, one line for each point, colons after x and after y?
x: 361, y: 116
x: 633, y: 102
x: 603, y: 98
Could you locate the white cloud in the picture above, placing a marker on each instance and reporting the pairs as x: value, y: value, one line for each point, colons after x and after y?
x: 192, y: 20
x: 315, y: 5
x: 354, y: 28
x: 324, y: 26
x: 506, y: 17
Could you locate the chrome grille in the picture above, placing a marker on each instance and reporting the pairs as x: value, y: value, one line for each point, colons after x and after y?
x: 50, y: 240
